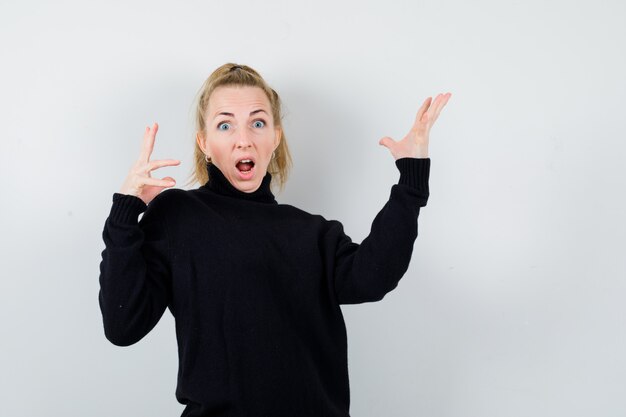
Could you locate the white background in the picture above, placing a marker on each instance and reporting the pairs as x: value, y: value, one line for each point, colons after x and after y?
x: 514, y: 301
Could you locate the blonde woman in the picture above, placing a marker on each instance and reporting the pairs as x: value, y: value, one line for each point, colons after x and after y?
x: 255, y: 286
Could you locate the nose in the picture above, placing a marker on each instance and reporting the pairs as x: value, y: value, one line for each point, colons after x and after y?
x: 243, y: 141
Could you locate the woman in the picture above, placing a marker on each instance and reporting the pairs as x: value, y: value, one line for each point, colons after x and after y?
x: 255, y: 286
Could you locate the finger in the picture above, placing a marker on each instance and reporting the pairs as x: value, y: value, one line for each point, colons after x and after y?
x: 170, y: 179
x: 442, y: 103
x: 144, y: 155
x: 422, y: 110
x: 152, y: 165
x: 148, y: 142
x: 436, y: 103
x: 433, y: 111
x: 387, y: 142
x: 157, y: 182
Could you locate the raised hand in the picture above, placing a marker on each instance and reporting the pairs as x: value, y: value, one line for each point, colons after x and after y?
x: 139, y: 182
x: 415, y: 143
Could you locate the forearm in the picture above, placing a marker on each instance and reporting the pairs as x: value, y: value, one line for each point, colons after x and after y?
x: 368, y: 271
x: 134, y: 274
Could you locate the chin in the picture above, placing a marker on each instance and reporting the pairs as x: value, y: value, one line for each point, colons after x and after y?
x: 248, y: 188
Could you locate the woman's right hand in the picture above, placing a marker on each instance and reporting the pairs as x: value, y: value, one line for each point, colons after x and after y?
x: 139, y: 182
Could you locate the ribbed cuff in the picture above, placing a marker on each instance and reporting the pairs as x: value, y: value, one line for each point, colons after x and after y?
x: 414, y: 172
x: 126, y: 208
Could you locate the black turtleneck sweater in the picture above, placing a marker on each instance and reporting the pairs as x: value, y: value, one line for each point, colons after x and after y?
x: 255, y: 288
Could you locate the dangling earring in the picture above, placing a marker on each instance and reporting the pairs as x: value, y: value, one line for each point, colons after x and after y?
x: 207, y: 159
x: 273, y: 155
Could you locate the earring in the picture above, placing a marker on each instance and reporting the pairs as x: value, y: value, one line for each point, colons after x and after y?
x: 207, y: 159
x: 273, y: 155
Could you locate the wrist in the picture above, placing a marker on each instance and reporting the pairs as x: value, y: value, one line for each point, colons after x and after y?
x: 419, y: 152
x: 414, y: 172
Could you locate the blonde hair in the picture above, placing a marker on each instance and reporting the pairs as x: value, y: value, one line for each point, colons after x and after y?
x: 231, y: 74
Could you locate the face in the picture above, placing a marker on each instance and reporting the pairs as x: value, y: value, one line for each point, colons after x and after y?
x: 240, y: 126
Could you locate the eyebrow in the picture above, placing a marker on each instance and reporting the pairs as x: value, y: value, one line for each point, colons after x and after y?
x: 232, y: 115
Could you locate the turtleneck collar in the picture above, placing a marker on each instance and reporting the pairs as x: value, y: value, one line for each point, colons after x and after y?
x: 219, y: 184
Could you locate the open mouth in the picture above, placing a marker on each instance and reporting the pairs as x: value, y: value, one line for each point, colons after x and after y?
x: 245, y: 165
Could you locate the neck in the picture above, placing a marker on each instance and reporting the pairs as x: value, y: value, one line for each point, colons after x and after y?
x: 219, y: 184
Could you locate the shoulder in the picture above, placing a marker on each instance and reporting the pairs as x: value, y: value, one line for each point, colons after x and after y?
x: 318, y: 221
x: 169, y: 202
x: 168, y: 198
x: 297, y: 212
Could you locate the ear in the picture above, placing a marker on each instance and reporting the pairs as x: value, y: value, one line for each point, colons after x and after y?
x: 278, y: 138
x: 200, y: 141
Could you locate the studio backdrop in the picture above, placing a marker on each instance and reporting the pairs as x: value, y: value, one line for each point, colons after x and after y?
x: 513, y: 304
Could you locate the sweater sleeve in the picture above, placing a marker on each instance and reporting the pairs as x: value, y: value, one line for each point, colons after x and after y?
x: 135, y: 272
x: 366, y: 272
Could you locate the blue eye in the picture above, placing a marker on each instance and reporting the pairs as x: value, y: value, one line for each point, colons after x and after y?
x: 260, y: 121
x: 222, y: 124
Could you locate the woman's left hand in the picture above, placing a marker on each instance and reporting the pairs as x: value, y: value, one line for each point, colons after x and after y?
x: 415, y: 143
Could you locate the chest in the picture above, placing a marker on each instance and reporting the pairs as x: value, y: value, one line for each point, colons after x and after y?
x: 230, y: 252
